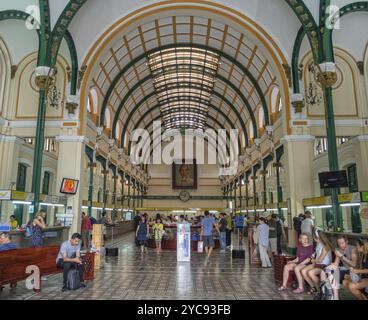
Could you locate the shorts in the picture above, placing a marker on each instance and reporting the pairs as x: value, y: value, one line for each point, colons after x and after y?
x: 273, y: 245
x: 208, y: 241
x: 240, y: 229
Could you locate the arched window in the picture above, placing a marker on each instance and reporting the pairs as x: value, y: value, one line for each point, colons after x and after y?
x: 280, y: 106
x: 275, y: 97
x: 251, y: 131
x: 261, y: 118
x: 117, y: 131
x: 92, y: 103
x: 107, y: 118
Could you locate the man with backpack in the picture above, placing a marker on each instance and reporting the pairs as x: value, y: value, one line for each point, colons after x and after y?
x: 69, y: 258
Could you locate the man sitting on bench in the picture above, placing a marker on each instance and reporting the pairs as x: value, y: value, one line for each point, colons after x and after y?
x: 5, y: 242
x: 69, y: 257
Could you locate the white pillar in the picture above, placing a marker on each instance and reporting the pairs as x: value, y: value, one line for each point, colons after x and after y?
x: 299, y: 174
x: 361, y: 154
x: 70, y: 165
x: 9, y: 154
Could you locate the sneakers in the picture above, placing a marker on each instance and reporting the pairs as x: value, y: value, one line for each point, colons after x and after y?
x: 83, y: 285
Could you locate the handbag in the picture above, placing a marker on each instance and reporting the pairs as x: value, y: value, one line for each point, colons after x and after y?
x: 355, y: 277
x: 200, y: 247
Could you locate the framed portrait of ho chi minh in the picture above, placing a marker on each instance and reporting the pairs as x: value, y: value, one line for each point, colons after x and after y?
x: 184, y: 174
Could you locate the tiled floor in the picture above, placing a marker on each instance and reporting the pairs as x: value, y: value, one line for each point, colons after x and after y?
x: 134, y: 276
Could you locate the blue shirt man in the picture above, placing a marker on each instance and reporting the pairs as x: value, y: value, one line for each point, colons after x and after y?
x: 5, y: 243
x: 207, y: 224
x: 239, y: 221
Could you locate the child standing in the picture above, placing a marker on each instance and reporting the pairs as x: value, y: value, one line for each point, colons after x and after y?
x: 158, y: 229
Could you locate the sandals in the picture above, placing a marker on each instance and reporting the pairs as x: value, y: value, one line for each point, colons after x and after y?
x: 298, y: 291
x: 312, y: 291
x: 282, y: 288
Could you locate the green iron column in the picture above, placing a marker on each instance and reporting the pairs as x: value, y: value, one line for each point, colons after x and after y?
x: 90, y: 189
x: 240, y: 194
x: 279, y: 190
x: 122, y: 189
x: 332, y: 153
x: 235, y: 202
x: 129, y: 182
x: 38, y: 151
x: 134, y: 189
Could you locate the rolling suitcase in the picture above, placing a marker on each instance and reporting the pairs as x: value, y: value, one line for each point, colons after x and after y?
x: 73, y: 280
x: 238, y: 253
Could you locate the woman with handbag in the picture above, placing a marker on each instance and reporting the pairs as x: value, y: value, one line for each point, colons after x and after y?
x: 322, y: 257
x: 358, y: 278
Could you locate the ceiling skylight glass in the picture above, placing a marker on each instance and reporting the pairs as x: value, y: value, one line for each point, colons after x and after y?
x: 184, y: 79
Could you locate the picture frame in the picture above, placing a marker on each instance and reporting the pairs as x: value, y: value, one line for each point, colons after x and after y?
x: 69, y: 186
x: 184, y: 175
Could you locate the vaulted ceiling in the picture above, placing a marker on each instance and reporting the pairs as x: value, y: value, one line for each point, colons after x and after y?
x: 188, y: 71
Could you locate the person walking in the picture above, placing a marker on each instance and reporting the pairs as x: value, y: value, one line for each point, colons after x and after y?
x: 263, y: 242
x: 86, y: 229
x: 142, y: 234
x: 137, y: 219
x: 38, y: 224
x: 307, y: 226
x: 208, y: 223
x: 272, y: 233
x: 223, y: 229
x: 228, y: 230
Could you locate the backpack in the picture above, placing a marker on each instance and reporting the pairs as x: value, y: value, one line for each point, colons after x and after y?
x: 29, y: 231
x: 324, y: 292
x: 297, y: 222
x: 278, y: 228
x: 73, y: 280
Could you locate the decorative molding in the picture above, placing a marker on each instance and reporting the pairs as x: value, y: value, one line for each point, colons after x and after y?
x: 339, y: 122
x: 297, y: 138
x: 33, y: 124
x: 11, y: 139
x: 362, y: 138
x: 82, y: 139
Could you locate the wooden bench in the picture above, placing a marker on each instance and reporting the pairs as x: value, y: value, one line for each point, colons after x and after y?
x: 13, y: 264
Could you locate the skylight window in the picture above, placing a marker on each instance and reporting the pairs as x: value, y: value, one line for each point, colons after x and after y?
x: 184, y: 79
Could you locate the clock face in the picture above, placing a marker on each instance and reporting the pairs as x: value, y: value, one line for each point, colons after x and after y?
x: 184, y: 196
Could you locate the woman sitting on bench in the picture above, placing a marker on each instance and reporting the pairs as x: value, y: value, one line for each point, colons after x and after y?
x: 304, y: 254
x: 322, y: 258
x: 358, y: 278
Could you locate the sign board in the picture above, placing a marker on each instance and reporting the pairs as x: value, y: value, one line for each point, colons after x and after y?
x: 4, y: 227
x: 364, y: 196
x: 5, y: 194
x: 349, y: 197
x: 183, y: 242
x: 319, y: 201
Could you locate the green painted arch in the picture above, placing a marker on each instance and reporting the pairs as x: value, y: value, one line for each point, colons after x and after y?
x: 154, y: 93
x: 180, y: 45
x: 20, y: 15
x: 361, y: 6
x: 309, y: 25
x: 74, y: 59
x: 149, y: 77
x: 157, y: 106
x: 157, y: 118
x: 60, y: 29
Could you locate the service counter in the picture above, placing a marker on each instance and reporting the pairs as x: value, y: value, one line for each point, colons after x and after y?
x: 52, y: 236
x: 120, y: 228
x: 169, y: 240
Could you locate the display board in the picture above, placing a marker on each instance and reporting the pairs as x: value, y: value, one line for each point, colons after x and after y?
x: 183, y: 242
